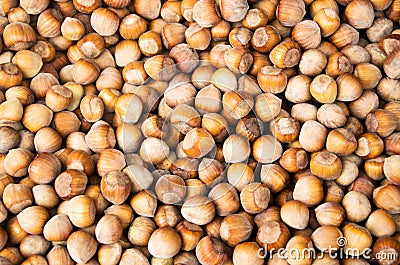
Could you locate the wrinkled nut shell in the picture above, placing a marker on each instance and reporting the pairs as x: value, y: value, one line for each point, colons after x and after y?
x: 199, y: 131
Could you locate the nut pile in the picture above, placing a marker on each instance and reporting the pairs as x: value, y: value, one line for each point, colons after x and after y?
x: 208, y: 132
